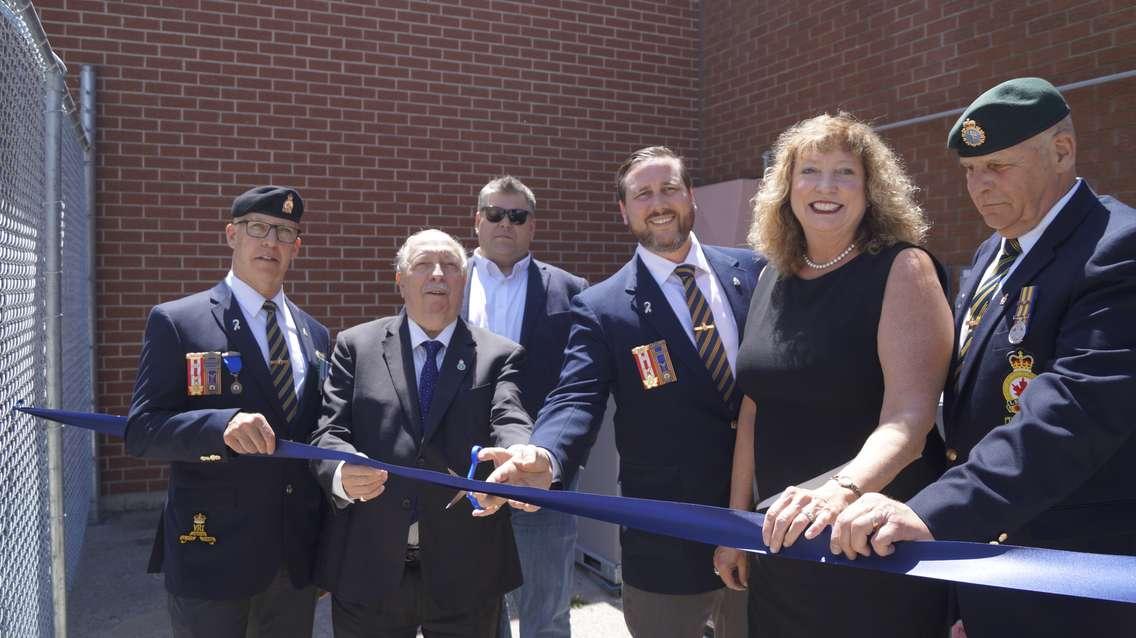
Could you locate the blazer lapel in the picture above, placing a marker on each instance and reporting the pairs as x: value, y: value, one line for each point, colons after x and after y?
x: 312, y: 365
x: 732, y: 279
x: 648, y: 300
x: 228, y: 314
x: 986, y: 252
x: 462, y: 349
x: 536, y: 297
x: 400, y: 367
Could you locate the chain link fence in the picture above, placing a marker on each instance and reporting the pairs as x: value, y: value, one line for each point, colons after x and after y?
x: 28, y: 71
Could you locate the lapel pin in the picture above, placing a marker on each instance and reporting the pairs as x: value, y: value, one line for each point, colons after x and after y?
x: 646, y: 307
x: 737, y: 282
x: 236, y: 325
x: 305, y: 331
x: 1002, y: 301
x: 461, y: 365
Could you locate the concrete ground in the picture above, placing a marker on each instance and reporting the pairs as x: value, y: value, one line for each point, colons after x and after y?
x: 112, y: 595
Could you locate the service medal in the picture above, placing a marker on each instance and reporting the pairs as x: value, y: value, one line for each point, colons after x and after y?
x: 234, y: 365
x: 653, y: 361
x: 194, y: 374
x: 1022, y: 314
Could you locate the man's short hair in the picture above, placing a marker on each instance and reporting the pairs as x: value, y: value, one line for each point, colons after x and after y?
x: 646, y: 155
x: 509, y: 185
x: 430, y: 236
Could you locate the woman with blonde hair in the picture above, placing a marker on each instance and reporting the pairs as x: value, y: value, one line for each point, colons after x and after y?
x: 844, y: 355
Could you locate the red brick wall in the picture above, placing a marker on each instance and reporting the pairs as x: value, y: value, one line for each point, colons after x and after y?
x: 769, y: 64
x: 387, y: 116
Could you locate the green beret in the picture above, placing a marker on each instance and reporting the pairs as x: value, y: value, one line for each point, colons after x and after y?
x: 275, y: 201
x: 1007, y: 114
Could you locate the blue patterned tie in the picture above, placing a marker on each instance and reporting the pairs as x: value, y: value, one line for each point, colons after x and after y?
x: 428, y: 379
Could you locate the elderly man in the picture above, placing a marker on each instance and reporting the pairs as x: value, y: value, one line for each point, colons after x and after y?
x: 418, y: 389
x: 225, y: 373
x: 525, y: 300
x: 1039, y: 432
x: 636, y: 334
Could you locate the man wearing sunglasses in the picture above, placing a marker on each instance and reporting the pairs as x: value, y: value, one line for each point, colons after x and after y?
x: 518, y: 297
x: 225, y: 373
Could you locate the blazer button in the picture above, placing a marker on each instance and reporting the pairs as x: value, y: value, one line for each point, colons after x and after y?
x: 1002, y: 537
x: 406, y: 503
x: 288, y: 488
x: 952, y: 455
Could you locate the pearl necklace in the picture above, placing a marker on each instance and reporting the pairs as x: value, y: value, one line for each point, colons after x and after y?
x: 831, y: 262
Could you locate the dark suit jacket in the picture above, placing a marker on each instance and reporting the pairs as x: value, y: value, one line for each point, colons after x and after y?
x: 371, y: 406
x: 262, y: 512
x: 675, y: 441
x: 544, y: 329
x: 1058, y: 471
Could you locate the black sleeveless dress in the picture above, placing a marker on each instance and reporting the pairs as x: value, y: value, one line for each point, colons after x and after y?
x: 810, y: 362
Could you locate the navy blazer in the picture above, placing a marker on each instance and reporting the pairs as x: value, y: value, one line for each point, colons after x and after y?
x: 260, y: 512
x: 371, y: 406
x: 675, y: 441
x: 544, y: 328
x: 1053, y: 466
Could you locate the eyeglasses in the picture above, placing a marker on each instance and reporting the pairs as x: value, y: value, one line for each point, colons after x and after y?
x: 259, y: 230
x: 494, y: 214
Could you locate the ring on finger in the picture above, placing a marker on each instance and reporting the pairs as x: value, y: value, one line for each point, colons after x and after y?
x: 809, y: 514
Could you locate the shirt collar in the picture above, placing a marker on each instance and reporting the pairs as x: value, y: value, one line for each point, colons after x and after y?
x: 662, y: 268
x: 1030, y: 238
x: 418, y: 335
x: 251, y: 301
x: 486, y: 267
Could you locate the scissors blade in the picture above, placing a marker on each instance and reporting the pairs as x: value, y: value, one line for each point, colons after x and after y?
x: 457, y: 497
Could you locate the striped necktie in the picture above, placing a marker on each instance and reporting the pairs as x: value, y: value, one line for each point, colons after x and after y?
x: 985, y: 291
x: 280, y: 365
x: 706, y: 338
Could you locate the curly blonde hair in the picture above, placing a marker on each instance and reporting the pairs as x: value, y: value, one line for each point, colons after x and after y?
x: 892, y: 214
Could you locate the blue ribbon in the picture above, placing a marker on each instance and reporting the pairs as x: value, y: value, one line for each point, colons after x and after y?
x: 1100, y: 576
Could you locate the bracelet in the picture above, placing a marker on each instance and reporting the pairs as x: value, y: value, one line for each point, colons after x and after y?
x: 848, y: 484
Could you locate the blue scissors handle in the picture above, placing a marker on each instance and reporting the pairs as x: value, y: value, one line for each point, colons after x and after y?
x: 473, y: 462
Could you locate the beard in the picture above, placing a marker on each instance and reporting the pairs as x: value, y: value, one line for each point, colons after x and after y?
x: 660, y: 240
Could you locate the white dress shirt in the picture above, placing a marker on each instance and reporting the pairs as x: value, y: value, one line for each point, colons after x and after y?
x: 417, y: 337
x: 662, y: 270
x: 497, y: 299
x: 1027, y: 241
x: 256, y: 319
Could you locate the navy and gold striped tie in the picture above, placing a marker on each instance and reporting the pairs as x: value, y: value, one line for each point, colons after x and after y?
x: 280, y: 365
x: 985, y: 291
x: 706, y: 338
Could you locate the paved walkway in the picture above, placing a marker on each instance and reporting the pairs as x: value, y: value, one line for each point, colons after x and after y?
x: 113, y: 596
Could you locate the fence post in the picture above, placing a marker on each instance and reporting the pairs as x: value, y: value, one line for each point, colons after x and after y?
x: 87, y: 114
x: 53, y: 209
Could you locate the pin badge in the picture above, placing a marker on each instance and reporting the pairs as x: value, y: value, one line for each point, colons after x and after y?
x: 305, y: 331
x: 461, y: 365
x: 737, y: 282
x: 646, y: 307
x: 1002, y: 301
x: 236, y: 324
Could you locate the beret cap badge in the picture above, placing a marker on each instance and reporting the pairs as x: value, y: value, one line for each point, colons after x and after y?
x: 972, y: 134
x: 287, y: 207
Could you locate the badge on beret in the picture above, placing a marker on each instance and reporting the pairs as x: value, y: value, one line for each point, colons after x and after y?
x: 288, y: 204
x: 1015, y: 383
x: 654, y: 364
x: 972, y: 134
x: 198, y: 532
x: 202, y: 373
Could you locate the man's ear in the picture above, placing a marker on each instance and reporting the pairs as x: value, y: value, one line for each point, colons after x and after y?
x: 623, y: 213
x: 1065, y: 147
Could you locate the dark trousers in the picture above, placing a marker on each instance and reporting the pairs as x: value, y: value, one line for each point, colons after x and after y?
x: 400, y: 614
x: 281, y: 610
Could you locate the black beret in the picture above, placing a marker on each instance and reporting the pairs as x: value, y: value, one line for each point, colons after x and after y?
x: 1007, y: 114
x: 276, y: 201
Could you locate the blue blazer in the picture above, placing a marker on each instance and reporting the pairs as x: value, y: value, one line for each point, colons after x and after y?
x: 1053, y: 466
x: 261, y: 513
x: 544, y: 329
x: 675, y: 441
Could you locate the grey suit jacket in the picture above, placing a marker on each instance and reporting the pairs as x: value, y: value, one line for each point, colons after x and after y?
x: 371, y: 406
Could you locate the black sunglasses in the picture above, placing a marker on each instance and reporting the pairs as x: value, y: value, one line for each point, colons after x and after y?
x: 494, y: 214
